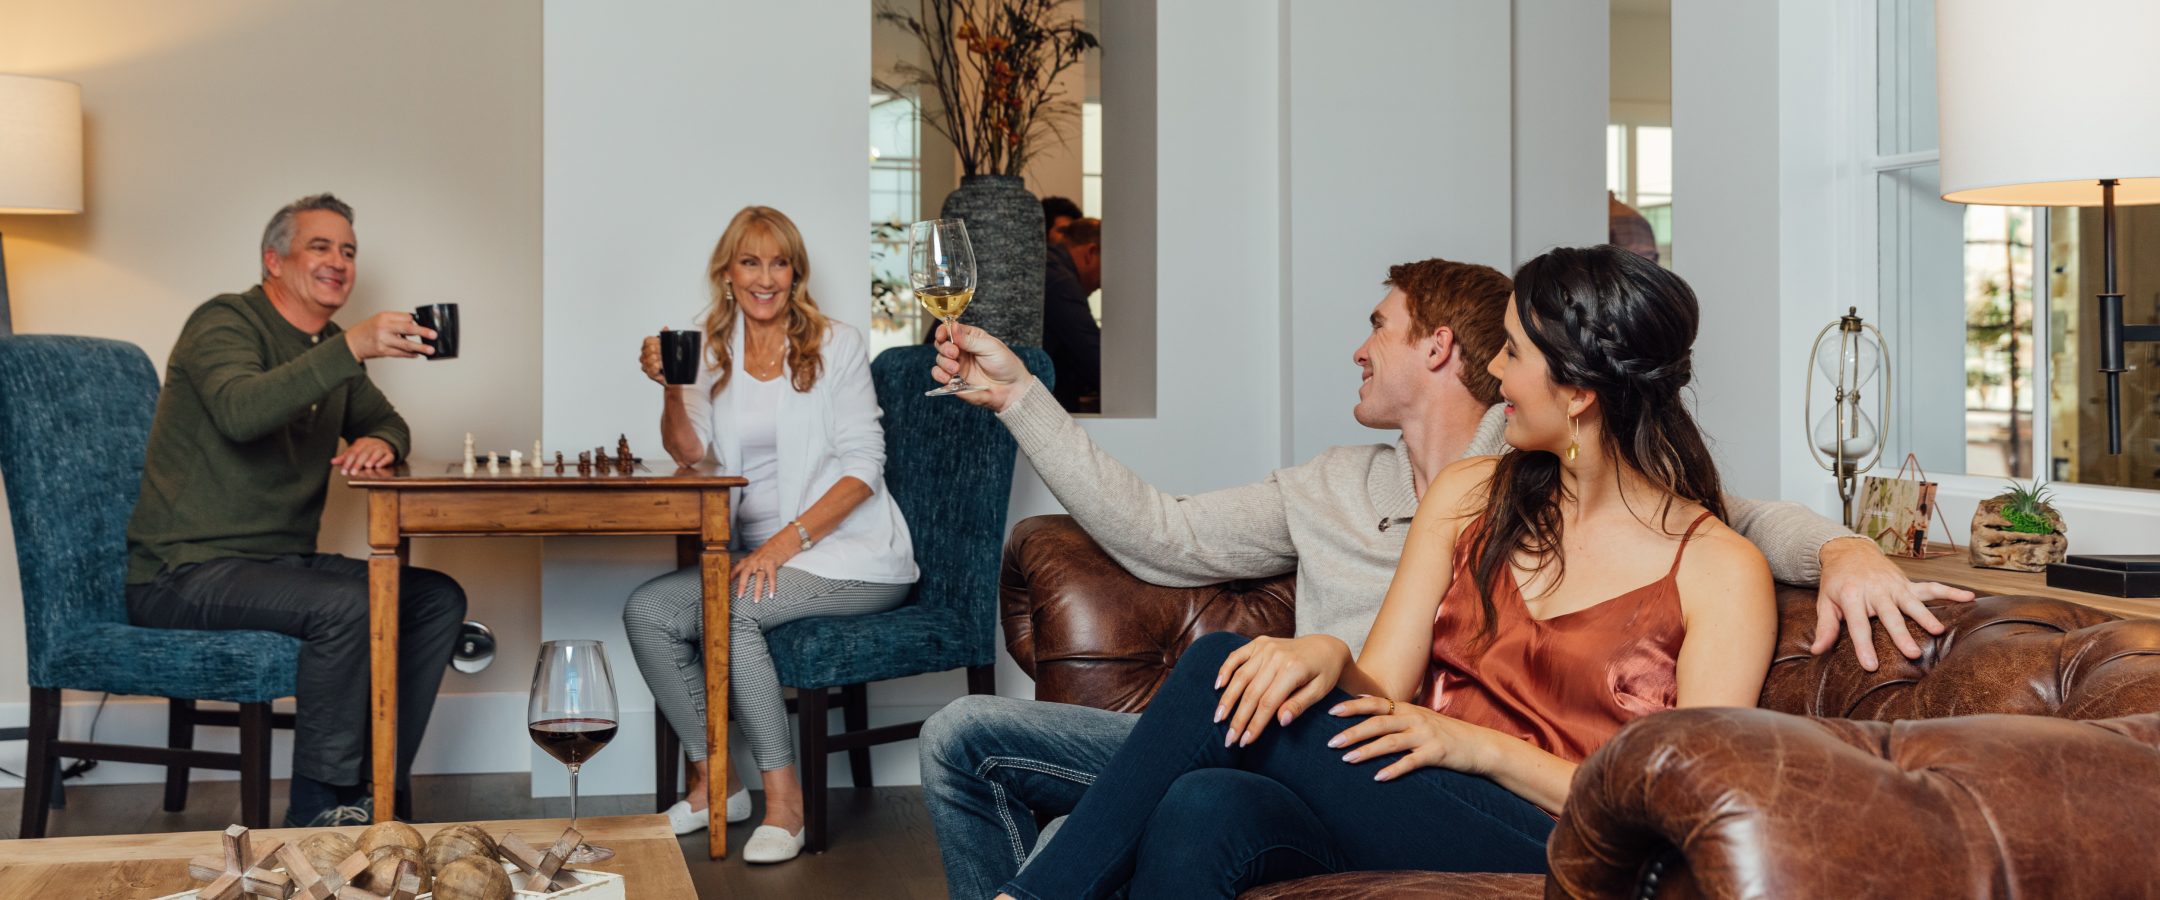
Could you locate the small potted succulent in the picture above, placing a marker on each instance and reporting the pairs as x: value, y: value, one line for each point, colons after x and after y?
x: 2019, y: 530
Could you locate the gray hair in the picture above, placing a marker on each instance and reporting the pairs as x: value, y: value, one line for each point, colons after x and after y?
x: 278, y: 234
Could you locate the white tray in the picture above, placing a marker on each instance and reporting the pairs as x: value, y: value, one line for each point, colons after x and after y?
x: 594, y: 885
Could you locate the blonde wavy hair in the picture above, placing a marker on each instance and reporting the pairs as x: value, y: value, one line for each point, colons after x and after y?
x: 806, y: 326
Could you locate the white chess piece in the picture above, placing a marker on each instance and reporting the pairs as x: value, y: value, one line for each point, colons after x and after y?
x: 517, y: 462
x: 468, y: 453
x: 494, y: 462
x: 536, y: 454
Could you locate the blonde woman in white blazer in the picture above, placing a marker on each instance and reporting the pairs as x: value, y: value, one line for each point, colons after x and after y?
x: 784, y: 398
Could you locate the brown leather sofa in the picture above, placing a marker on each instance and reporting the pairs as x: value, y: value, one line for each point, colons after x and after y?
x: 2019, y: 756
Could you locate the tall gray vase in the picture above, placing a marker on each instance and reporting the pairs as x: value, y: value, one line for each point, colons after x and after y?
x: 1005, y: 226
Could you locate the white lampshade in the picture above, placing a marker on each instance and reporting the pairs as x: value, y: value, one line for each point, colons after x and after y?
x: 40, y: 146
x: 2041, y: 100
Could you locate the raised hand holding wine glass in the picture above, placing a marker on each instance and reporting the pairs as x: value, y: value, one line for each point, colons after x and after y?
x: 941, y: 269
x: 572, y: 714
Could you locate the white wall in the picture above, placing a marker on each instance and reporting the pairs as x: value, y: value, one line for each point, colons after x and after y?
x: 1725, y: 162
x: 1397, y: 117
x: 201, y: 120
x: 1560, y: 113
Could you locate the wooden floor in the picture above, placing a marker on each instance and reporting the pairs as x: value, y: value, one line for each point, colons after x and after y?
x: 882, y: 843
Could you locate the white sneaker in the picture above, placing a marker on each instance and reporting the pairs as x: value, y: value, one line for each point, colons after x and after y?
x: 685, y: 820
x: 772, y: 844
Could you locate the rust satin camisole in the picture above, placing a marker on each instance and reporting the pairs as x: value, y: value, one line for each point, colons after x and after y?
x: 1564, y: 684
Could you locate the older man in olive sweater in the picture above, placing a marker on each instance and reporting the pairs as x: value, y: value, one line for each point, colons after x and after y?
x: 259, y: 391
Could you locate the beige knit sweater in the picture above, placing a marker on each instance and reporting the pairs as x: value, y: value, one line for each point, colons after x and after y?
x: 1338, y: 519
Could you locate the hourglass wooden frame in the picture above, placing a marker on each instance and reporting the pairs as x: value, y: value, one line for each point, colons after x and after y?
x: 1847, y: 400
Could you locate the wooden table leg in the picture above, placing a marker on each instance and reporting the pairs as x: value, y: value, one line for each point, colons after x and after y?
x: 385, y: 561
x: 714, y: 560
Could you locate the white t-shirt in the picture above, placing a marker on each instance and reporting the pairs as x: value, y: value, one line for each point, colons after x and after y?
x: 758, y: 517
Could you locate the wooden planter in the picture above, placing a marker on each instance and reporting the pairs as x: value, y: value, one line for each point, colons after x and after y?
x: 1995, y: 546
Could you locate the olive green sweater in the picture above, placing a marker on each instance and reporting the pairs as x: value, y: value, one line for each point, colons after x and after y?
x: 252, y: 412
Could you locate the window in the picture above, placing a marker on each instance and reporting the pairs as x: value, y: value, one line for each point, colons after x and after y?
x: 1983, y: 306
x: 1638, y: 172
x: 895, y: 201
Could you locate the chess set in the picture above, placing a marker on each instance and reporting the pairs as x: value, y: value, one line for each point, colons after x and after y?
x: 390, y: 861
x: 589, y: 462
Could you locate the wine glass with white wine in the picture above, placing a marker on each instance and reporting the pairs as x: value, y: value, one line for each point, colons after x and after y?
x: 941, y: 269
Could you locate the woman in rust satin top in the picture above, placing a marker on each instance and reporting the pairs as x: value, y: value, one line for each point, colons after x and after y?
x: 1545, y: 598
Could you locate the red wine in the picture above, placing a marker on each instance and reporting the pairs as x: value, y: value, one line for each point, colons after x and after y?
x: 572, y: 740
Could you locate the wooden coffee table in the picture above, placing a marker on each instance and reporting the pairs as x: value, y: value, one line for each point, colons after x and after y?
x: 439, y: 500
x: 140, y: 866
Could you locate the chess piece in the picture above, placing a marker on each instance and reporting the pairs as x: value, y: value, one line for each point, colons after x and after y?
x: 584, y: 462
x: 543, y: 872
x: 468, y: 461
x: 536, y: 456
x: 241, y: 873
x: 517, y: 462
x: 600, y: 459
x: 558, y: 462
x: 494, y: 462
x: 622, y: 450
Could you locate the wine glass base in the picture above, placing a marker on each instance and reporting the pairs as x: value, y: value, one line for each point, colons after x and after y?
x: 956, y: 386
x: 587, y: 853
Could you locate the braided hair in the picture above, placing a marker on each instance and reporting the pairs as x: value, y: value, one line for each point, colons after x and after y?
x: 1614, y: 323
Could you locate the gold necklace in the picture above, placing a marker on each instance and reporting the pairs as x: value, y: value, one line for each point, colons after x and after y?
x: 767, y: 370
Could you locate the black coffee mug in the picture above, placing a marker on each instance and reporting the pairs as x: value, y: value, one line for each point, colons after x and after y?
x: 679, y: 356
x: 442, y: 318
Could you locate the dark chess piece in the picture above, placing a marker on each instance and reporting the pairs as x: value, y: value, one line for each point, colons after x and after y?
x: 622, y: 449
x: 584, y: 462
x: 558, y: 462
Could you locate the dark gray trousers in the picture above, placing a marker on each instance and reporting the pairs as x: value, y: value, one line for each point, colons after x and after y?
x: 322, y: 599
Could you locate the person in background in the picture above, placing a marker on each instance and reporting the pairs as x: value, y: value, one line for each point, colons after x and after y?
x: 785, y: 399
x: 1072, y: 272
x: 259, y: 390
x: 1057, y: 212
x: 1628, y: 230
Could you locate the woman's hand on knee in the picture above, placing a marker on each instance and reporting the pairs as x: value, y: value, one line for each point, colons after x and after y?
x: 1423, y: 737
x: 1273, y: 679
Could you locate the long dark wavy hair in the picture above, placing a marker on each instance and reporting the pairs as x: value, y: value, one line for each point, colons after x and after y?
x: 1617, y: 324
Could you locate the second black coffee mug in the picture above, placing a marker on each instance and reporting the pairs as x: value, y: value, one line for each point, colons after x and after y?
x: 679, y: 356
x: 443, y: 318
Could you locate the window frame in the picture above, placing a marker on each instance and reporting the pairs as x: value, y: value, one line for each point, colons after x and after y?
x: 1862, y: 173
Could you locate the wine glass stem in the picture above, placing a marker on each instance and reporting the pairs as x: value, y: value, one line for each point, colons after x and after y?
x: 952, y: 336
x: 573, y: 794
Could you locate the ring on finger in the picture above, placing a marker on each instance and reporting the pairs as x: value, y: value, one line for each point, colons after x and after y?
x: 1391, y: 707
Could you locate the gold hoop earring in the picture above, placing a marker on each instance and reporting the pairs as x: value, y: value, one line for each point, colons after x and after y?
x: 1574, y: 433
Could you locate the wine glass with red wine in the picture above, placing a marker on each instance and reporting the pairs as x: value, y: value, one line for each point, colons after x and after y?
x: 572, y: 714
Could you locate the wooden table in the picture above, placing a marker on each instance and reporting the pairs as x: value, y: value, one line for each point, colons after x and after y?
x: 692, y: 503
x: 1954, y: 569
x: 131, y: 867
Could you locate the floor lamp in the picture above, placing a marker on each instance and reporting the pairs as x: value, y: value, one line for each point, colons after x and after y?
x: 40, y: 157
x: 2047, y: 104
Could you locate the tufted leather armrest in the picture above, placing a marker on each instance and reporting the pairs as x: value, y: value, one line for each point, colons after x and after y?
x: 1745, y: 802
x: 1090, y: 633
x: 2024, y: 655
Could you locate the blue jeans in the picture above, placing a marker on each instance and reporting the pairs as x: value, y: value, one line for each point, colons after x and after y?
x: 990, y: 765
x: 1218, y: 820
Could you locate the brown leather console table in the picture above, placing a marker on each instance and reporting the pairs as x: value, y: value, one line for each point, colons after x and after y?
x: 690, y: 503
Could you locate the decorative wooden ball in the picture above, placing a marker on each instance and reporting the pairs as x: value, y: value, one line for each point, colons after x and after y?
x: 472, y: 878
x: 396, y: 834
x: 325, y: 849
x: 381, y: 874
x: 452, y: 844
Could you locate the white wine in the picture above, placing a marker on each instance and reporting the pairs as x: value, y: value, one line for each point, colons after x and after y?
x: 945, y: 302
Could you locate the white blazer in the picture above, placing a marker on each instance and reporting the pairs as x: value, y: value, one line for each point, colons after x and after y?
x: 824, y: 435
